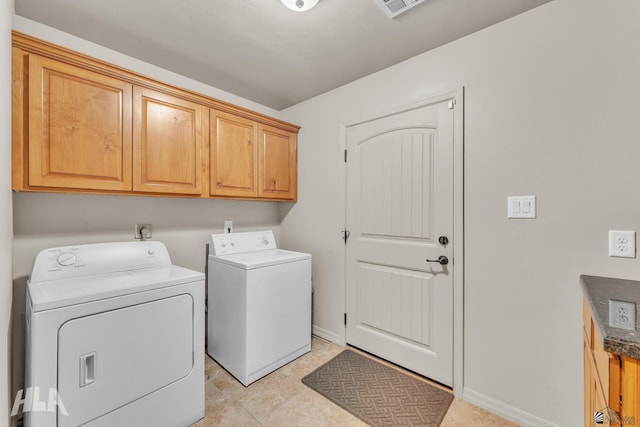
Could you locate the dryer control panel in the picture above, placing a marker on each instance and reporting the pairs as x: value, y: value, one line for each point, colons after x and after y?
x: 84, y: 260
x: 234, y: 243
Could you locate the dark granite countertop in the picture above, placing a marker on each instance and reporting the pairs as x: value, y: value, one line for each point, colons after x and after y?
x: 598, y: 291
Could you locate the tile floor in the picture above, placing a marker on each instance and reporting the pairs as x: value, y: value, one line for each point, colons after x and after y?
x: 280, y: 399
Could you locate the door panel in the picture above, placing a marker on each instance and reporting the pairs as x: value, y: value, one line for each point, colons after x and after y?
x: 234, y: 155
x: 396, y: 185
x: 399, y: 201
x: 277, y: 163
x: 79, y: 128
x: 110, y: 359
x: 167, y: 140
x: 394, y: 300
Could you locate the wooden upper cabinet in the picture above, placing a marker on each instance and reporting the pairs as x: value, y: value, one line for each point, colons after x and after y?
x: 234, y: 155
x: 277, y: 163
x: 168, y: 143
x: 79, y: 128
x: 82, y: 125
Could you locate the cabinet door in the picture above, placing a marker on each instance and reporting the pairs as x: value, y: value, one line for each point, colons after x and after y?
x: 167, y: 143
x: 19, y: 119
x: 234, y: 155
x: 589, y: 384
x: 79, y: 128
x: 278, y: 164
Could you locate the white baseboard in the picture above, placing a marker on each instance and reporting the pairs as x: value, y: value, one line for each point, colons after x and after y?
x: 509, y: 412
x: 327, y: 335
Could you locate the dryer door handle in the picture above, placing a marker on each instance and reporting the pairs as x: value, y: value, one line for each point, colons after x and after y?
x: 87, y: 369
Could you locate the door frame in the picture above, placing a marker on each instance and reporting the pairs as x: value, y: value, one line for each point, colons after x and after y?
x: 458, y: 216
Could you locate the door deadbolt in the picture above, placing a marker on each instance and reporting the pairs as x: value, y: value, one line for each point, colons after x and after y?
x: 442, y: 260
x: 443, y: 240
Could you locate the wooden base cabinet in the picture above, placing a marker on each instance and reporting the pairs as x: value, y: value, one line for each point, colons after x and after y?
x: 82, y: 125
x: 630, y: 391
x: 611, y: 382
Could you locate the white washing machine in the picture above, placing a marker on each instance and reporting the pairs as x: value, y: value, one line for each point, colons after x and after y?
x: 118, y: 332
x: 259, y: 309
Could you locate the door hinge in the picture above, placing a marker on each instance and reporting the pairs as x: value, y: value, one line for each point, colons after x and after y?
x: 452, y: 103
x: 345, y: 155
x: 345, y: 235
x: 345, y: 319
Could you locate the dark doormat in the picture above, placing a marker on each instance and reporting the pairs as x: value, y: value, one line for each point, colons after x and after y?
x: 378, y: 394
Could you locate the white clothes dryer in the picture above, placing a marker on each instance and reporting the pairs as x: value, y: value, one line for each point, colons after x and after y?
x: 118, y: 331
x: 259, y: 309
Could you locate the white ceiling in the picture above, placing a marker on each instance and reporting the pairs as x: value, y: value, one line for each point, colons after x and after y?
x: 262, y: 51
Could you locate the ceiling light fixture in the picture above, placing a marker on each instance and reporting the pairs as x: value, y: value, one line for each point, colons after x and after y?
x: 299, y: 5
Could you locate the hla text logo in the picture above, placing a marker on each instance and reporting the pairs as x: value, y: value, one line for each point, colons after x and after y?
x: 32, y: 403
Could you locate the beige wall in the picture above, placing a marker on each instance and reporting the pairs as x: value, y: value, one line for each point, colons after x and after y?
x: 6, y: 15
x: 184, y: 225
x: 551, y: 107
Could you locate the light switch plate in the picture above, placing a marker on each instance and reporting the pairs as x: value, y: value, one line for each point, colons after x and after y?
x: 521, y: 207
x: 622, y: 314
x: 622, y: 244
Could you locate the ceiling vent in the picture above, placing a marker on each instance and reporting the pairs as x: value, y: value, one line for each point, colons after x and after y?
x: 394, y: 8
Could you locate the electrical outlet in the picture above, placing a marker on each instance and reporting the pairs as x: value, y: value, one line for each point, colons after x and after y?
x: 622, y: 314
x: 142, y: 231
x: 228, y: 227
x: 622, y: 244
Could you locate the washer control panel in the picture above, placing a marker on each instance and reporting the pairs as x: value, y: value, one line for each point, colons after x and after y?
x: 234, y: 243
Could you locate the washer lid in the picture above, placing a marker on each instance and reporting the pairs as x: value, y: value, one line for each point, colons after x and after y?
x: 53, y: 294
x: 258, y: 259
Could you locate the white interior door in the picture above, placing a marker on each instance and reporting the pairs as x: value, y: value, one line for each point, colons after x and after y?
x: 399, y: 205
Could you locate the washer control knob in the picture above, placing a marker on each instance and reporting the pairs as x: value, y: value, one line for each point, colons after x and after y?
x: 66, y: 259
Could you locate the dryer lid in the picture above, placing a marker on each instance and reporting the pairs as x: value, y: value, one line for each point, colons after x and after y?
x: 80, y: 290
x: 61, y: 293
x: 77, y: 274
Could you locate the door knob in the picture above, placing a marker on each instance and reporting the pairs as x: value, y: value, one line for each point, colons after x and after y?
x: 442, y: 260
